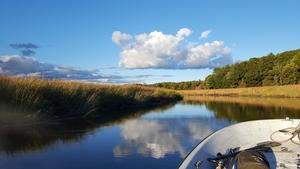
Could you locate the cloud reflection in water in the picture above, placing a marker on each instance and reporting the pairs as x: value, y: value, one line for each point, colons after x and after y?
x: 158, y: 138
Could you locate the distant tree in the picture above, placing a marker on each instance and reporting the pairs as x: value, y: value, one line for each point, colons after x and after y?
x: 290, y: 74
x: 236, y: 74
x: 187, y: 85
x: 210, y: 82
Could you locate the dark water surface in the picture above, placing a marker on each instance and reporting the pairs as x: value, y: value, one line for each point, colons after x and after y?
x: 158, y: 138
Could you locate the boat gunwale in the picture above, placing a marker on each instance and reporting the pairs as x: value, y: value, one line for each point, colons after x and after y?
x: 195, y: 148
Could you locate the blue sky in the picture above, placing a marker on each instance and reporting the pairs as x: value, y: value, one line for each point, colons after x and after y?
x: 78, y: 33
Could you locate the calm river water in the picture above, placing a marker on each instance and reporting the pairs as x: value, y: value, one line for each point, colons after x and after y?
x: 158, y: 138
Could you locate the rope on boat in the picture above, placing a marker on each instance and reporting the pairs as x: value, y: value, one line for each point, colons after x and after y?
x: 292, y: 131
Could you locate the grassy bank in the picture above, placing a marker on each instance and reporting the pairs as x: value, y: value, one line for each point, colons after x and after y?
x: 287, y: 91
x: 72, y: 99
x: 291, y: 103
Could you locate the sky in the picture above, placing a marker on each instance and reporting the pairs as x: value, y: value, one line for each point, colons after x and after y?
x: 135, y: 41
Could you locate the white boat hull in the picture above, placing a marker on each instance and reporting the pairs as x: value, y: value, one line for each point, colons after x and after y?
x: 245, y: 135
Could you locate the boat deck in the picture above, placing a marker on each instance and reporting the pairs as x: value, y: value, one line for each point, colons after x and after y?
x: 245, y: 135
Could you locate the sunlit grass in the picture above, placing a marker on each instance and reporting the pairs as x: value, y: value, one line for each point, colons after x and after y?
x: 65, y: 98
x: 289, y: 91
x: 292, y: 103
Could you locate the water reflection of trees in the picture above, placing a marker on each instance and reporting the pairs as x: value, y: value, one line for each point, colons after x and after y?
x: 20, y: 133
x: 236, y: 111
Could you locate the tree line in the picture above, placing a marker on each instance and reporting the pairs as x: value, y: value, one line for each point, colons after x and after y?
x: 187, y: 85
x: 273, y: 69
x: 279, y: 69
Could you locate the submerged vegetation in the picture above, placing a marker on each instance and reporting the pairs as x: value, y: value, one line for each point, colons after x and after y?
x: 73, y: 99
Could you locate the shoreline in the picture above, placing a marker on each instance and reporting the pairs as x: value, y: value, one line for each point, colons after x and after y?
x: 286, y: 91
x: 290, y: 103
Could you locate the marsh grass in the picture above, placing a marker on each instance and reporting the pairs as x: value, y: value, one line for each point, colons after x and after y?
x: 287, y: 91
x: 279, y: 103
x: 74, y: 99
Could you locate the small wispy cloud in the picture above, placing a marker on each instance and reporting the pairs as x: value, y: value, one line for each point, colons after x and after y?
x: 205, y: 34
x: 27, y: 49
x: 23, y: 46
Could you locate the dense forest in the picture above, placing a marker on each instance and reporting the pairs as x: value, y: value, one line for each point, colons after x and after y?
x: 279, y: 69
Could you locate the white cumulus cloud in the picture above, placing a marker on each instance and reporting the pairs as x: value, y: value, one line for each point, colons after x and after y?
x: 204, y: 35
x: 213, y: 54
x: 159, y: 50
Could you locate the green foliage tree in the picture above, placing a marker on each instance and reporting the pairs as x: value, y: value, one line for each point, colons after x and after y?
x: 290, y: 74
x: 280, y: 69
